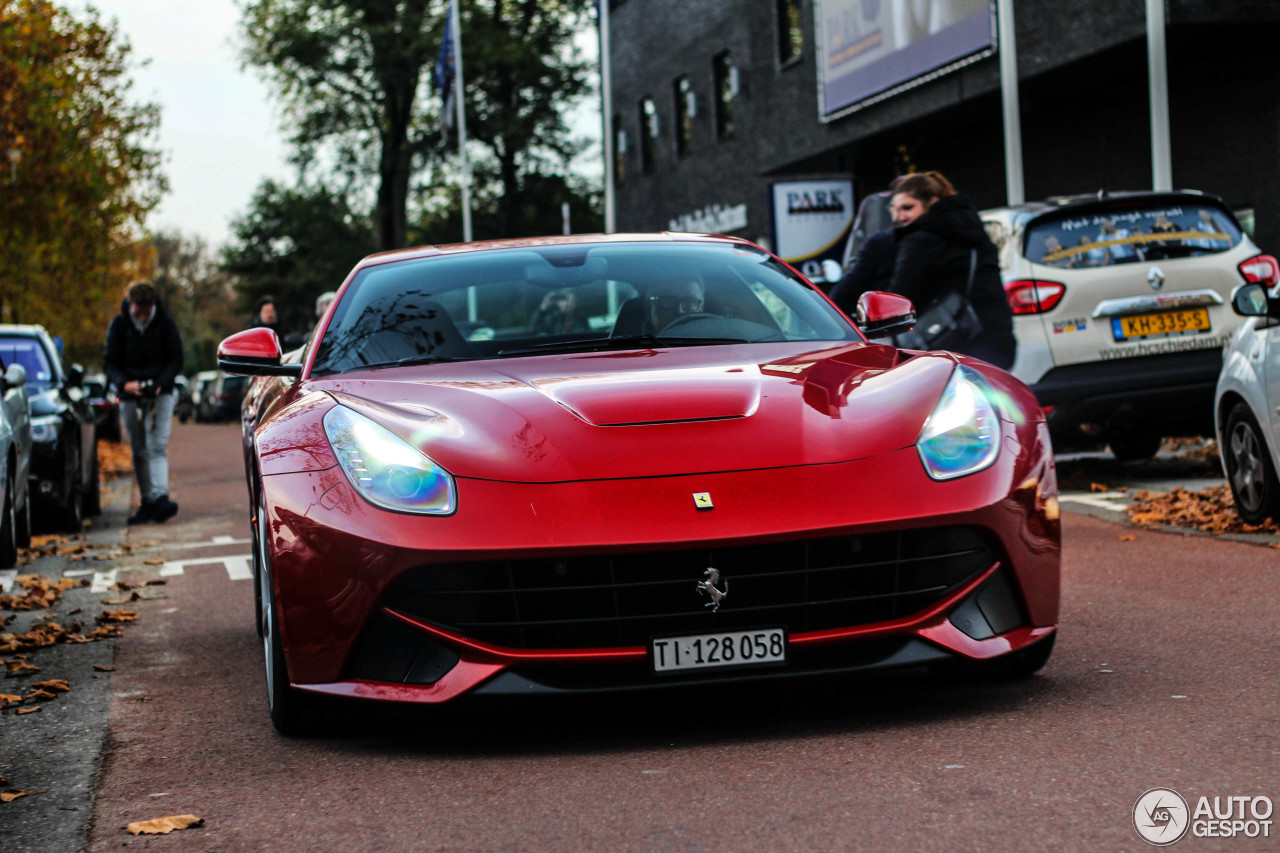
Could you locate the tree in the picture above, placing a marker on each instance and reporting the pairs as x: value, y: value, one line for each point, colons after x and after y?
x: 294, y: 244
x: 348, y: 72
x: 78, y: 175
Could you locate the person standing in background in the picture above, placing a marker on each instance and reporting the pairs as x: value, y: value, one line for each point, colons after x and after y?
x: 143, y: 357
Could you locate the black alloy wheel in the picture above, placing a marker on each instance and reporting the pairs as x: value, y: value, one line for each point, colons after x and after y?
x: 9, y: 527
x: 1249, y: 470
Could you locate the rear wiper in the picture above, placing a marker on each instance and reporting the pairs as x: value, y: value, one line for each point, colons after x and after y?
x: 620, y: 342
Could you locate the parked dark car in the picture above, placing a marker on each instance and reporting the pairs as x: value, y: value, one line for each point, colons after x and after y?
x: 106, y: 407
x: 64, y: 456
x: 184, y: 408
x: 221, y: 398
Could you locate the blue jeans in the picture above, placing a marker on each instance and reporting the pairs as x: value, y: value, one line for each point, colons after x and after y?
x: 148, y: 423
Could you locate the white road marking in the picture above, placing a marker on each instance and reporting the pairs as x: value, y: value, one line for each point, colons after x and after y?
x: 77, y: 573
x: 238, y: 567
x: 6, y: 579
x: 215, y: 541
x: 1098, y: 500
x: 103, y: 581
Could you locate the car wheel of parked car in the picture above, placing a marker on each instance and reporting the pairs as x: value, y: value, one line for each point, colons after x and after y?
x: 1253, y: 479
x: 24, y: 523
x: 72, y: 513
x: 9, y: 530
x: 292, y: 713
x: 1135, y: 447
x: 93, y: 498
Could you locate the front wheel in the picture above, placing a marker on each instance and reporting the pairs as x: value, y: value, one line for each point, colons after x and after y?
x: 292, y: 713
x: 1249, y: 470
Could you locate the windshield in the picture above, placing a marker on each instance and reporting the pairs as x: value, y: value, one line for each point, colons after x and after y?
x: 28, y: 353
x: 1128, y: 235
x: 512, y: 302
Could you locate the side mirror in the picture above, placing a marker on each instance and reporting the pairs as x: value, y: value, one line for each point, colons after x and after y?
x: 15, y: 376
x: 75, y: 375
x: 1251, y: 300
x: 254, y: 352
x: 832, y: 271
x: 881, y: 314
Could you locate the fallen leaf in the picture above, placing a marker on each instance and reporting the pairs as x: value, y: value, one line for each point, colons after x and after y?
x: 156, y: 562
x: 15, y: 668
x: 1098, y: 487
x: 134, y: 596
x: 42, y: 695
x: 165, y: 825
x: 1211, y: 510
x: 7, y: 699
x: 57, y: 685
x: 97, y: 667
x: 13, y: 793
x: 117, y: 616
x: 22, y: 711
x: 1128, y: 537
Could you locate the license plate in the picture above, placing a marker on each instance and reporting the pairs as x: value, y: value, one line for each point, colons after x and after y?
x: 719, y: 650
x: 1191, y: 322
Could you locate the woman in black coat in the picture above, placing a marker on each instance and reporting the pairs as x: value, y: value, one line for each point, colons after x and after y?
x: 937, y: 232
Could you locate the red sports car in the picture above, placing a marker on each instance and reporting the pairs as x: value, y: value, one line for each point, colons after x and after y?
x: 631, y: 462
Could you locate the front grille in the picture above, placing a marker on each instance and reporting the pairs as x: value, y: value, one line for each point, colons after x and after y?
x: 604, y: 600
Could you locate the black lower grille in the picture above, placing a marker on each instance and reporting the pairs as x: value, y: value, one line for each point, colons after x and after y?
x: 604, y: 600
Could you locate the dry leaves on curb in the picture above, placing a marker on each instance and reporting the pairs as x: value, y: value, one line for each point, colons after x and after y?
x: 164, y: 825
x: 39, y: 592
x: 1211, y: 510
x: 11, y: 794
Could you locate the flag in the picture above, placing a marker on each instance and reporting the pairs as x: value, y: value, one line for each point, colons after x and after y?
x: 445, y: 69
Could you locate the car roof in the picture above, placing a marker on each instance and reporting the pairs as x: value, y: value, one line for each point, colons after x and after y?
x: 1100, y: 199
x: 555, y: 240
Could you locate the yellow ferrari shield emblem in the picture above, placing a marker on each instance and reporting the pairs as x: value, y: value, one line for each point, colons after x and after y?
x: 702, y: 500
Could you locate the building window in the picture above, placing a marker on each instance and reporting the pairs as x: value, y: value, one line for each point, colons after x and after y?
x: 726, y: 77
x: 790, y: 35
x: 686, y: 109
x: 619, y: 150
x: 648, y: 133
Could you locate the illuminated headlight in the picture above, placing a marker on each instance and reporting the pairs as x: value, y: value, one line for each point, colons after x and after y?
x: 962, y: 436
x: 387, y: 470
x: 44, y: 429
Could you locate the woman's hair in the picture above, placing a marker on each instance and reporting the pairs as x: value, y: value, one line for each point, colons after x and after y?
x: 924, y: 186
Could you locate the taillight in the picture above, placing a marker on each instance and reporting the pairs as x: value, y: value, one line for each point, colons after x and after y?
x: 1033, y: 297
x: 1262, y: 269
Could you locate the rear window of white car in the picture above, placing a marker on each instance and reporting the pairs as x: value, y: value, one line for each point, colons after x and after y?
x: 1104, y: 237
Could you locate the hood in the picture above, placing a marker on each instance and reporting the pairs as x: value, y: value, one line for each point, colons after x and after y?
x: 953, y: 218
x: 653, y: 413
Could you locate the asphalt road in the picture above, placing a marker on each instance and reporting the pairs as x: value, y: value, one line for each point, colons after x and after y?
x: 1164, y: 675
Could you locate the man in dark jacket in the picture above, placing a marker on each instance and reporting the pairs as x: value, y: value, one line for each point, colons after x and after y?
x: 143, y: 357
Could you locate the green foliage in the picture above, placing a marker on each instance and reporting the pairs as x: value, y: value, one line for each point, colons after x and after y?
x: 294, y: 244
x: 78, y: 174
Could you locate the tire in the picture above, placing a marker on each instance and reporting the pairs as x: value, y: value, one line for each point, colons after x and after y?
x: 9, y: 529
x: 1135, y: 447
x: 293, y: 713
x: 1254, y: 486
x: 71, y: 514
x: 1021, y: 664
x: 257, y: 542
x: 24, y: 522
x: 93, y: 498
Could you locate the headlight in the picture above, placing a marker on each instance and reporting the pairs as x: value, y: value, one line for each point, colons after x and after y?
x: 962, y: 436
x: 387, y: 470
x: 44, y: 429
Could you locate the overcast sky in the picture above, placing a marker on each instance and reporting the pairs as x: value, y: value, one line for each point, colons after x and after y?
x: 218, y: 131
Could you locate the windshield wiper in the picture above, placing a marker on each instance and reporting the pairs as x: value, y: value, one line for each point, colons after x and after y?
x: 620, y: 342
x: 412, y: 360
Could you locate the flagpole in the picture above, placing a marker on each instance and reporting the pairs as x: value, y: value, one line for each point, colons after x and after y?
x: 606, y: 118
x: 462, y: 121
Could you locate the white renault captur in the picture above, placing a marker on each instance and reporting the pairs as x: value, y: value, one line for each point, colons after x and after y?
x: 1121, y: 310
x: 1247, y: 408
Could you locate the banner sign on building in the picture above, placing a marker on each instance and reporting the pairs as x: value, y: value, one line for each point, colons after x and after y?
x: 810, y: 221
x: 869, y: 50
